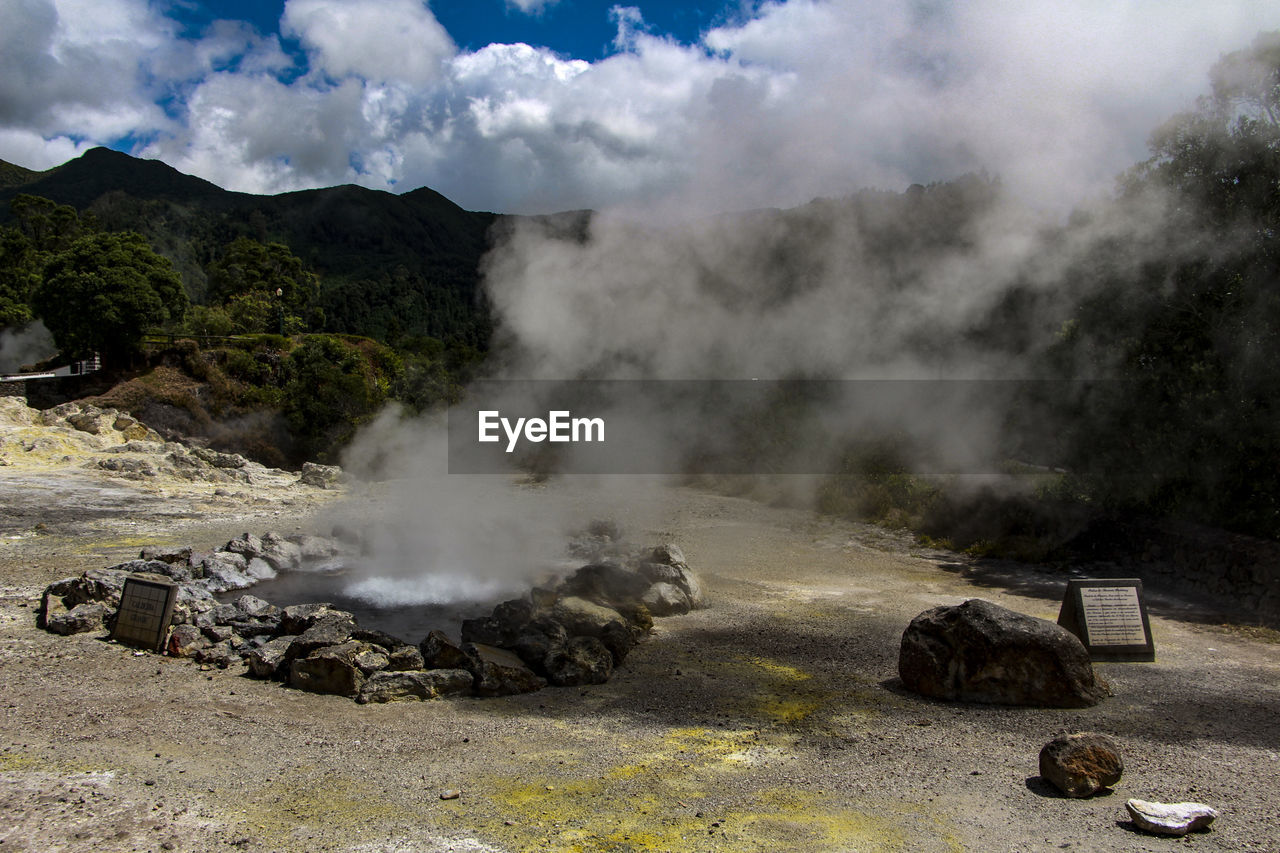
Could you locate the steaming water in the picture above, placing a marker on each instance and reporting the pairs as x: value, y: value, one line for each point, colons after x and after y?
x: 405, y: 608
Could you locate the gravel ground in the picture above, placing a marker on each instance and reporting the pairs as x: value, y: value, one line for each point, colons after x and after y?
x: 770, y: 721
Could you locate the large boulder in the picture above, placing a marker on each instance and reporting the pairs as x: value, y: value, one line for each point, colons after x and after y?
x: 538, y: 640
x: 1082, y: 764
x: 332, y: 669
x: 299, y: 617
x: 582, y: 660
x: 981, y: 652
x: 271, y: 659
x: 280, y: 553
x: 606, y: 583
x: 225, y: 570
x: 498, y: 672
x: 584, y: 618
x: 666, y: 599
x: 397, y: 686
x: 679, y: 576
x: 331, y: 629
x: 439, y: 652
x: 389, y: 686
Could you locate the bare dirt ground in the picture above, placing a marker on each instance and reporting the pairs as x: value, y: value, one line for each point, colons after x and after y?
x: 770, y: 721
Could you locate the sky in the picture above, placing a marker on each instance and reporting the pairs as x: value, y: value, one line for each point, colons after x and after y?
x: 533, y: 106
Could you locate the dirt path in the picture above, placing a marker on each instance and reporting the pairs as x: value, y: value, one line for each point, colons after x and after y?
x: 769, y: 721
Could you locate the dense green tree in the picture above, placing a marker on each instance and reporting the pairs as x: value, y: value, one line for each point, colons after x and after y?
x: 104, y: 292
x: 332, y: 387
x: 265, y: 287
x: 1188, y: 315
x: 40, y: 229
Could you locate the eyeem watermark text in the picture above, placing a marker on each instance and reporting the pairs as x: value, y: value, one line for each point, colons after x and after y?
x: 559, y: 426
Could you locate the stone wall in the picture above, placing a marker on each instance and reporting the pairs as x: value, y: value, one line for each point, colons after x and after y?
x: 1239, y: 573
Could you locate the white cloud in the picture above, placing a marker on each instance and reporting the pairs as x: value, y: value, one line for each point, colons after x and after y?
x: 801, y: 99
x: 377, y: 40
x: 531, y: 7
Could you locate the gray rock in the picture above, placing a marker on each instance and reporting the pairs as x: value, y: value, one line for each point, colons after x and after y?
x: 251, y: 605
x: 331, y: 629
x: 371, y: 661
x: 676, y: 575
x: 102, y: 586
x: 260, y: 570
x: 219, y: 460
x: 397, y: 686
x: 584, y: 618
x: 221, y: 655
x: 485, y: 629
x: 379, y: 638
x: 299, y: 617
x: 167, y: 555
x: 405, y: 659
x: 538, y: 639
x: 225, y: 570
x: 981, y: 652
x: 619, y: 640
x: 316, y: 547
x: 271, y: 659
x: 1170, y: 818
x: 1080, y: 765
x: 667, y: 554
x: 666, y: 599
x: 282, y: 554
x: 331, y: 669
x: 320, y: 476
x: 216, y: 633
x: 247, y: 546
x: 583, y: 660
x: 439, y: 652
x: 498, y: 672
x: 186, y: 640
x: 79, y: 619
x: 451, y: 682
x: 253, y: 626
x: 606, y: 583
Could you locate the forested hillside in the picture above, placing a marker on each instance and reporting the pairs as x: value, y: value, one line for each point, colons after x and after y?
x: 388, y: 265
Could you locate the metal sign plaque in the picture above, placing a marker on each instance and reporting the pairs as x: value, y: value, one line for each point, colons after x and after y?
x: 146, y: 608
x: 1110, y: 618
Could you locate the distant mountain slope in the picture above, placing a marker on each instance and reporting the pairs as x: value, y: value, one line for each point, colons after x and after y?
x: 389, y: 264
x: 12, y: 175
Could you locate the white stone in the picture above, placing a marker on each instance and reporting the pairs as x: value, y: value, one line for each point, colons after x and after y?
x: 1170, y: 818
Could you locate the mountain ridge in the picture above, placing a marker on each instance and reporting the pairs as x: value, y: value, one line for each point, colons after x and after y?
x: 389, y: 264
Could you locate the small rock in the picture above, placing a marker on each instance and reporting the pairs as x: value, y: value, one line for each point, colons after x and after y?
x: 1082, y: 764
x: 186, y: 640
x: 78, y: 620
x: 450, y: 794
x: 1170, y: 818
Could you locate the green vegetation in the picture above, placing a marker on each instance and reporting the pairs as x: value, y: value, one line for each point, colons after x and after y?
x: 103, y: 292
